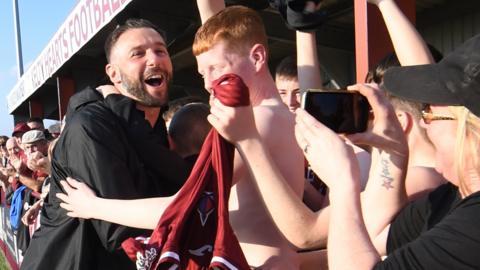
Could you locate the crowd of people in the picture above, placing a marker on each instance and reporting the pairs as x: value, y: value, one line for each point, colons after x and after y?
x: 404, y: 194
x: 24, y: 174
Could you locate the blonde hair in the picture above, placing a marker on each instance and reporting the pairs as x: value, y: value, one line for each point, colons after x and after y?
x: 467, y: 145
x: 240, y: 27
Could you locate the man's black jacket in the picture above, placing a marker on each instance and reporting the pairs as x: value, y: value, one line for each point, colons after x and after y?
x: 110, y: 146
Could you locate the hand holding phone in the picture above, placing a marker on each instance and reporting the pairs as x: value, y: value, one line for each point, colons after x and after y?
x: 340, y: 110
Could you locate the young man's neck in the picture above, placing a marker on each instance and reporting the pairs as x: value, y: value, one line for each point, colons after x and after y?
x: 263, y: 89
x: 151, y: 113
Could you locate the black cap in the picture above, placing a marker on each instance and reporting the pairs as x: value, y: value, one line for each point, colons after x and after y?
x: 454, y: 81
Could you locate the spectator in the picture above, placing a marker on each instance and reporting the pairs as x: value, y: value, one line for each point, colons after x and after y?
x: 295, y: 74
x: 3, y: 151
x: 36, y: 123
x: 55, y: 130
x: 3, y: 162
x: 36, y: 148
x: 123, y: 153
x: 177, y: 104
x: 187, y: 131
x: 19, y: 130
x: 20, y: 173
x: 286, y: 80
x: 438, y: 232
x: 421, y: 175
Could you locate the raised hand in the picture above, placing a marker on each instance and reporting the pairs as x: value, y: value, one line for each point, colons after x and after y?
x: 233, y: 123
x: 330, y: 157
x: 36, y: 161
x: 32, y: 213
x: 16, y: 163
x: 386, y: 133
x: 78, y: 199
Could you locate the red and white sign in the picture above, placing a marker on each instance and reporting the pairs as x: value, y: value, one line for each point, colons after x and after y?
x: 86, y: 19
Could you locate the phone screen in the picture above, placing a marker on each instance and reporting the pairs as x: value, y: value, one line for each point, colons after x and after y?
x: 341, y: 111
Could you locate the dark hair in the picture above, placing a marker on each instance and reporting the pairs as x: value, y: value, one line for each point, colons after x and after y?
x: 176, y: 104
x: 129, y: 24
x: 287, y: 68
x: 189, y: 128
x: 35, y: 119
x: 376, y: 74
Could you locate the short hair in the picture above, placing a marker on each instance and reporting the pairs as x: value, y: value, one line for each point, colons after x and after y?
x: 287, y: 68
x: 189, y: 128
x: 128, y: 25
x: 176, y: 104
x: 35, y: 119
x: 376, y: 75
x: 240, y: 27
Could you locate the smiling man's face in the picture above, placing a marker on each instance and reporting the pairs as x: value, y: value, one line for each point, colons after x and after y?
x: 140, y: 66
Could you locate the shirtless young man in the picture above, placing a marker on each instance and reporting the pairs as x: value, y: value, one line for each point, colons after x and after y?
x: 234, y: 41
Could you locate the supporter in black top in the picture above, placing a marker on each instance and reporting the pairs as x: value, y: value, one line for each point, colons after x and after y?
x: 118, y: 146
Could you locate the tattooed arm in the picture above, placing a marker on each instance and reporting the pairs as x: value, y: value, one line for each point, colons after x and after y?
x: 384, y: 196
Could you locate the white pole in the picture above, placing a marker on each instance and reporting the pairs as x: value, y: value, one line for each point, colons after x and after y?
x: 18, y: 39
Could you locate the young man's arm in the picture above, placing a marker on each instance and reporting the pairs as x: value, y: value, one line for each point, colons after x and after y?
x: 208, y: 8
x: 81, y: 202
x: 308, y: 65
x: 409, y: 46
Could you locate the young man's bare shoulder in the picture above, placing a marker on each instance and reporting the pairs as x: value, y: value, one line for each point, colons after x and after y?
x: 277, y: 113
x: 274, y: 122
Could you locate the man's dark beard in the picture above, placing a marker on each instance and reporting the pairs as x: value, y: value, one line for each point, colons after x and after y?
x: 136, y: 88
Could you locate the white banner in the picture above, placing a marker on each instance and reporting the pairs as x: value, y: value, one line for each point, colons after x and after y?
x: 86, y: 19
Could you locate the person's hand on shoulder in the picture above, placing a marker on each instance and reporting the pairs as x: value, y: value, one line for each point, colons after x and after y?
x: 78, y: 199
x: 107, y: 90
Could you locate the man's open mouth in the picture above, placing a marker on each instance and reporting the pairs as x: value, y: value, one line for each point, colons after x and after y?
x: 155, y: 80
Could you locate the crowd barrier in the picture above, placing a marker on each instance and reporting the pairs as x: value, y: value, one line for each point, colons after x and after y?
x: 8, y: 241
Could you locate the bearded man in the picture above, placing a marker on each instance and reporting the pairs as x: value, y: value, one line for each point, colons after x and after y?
x: 118, y: 146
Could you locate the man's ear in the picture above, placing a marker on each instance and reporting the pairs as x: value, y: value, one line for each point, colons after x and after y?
x: 258, y: 55
x: 406, y: 121
x: 113, y: 73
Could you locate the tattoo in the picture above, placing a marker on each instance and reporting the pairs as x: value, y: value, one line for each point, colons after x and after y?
x: 387, y: 179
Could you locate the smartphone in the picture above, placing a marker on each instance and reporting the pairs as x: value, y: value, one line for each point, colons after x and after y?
x: 340, y: 110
